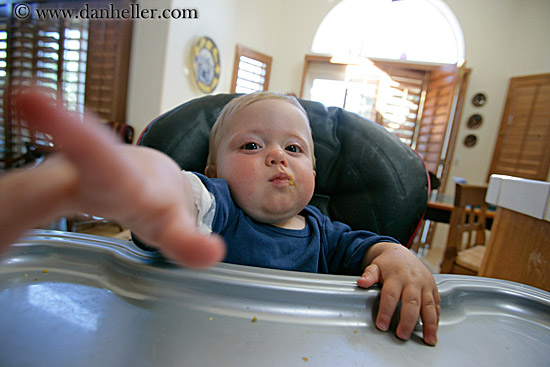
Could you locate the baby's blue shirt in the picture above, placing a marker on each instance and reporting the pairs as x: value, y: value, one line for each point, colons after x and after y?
x: 323, y: 246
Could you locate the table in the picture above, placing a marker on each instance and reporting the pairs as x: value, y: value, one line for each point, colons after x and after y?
x: 440, y: 207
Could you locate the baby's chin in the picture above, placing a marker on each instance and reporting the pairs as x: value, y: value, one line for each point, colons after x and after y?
x: 290, y: 220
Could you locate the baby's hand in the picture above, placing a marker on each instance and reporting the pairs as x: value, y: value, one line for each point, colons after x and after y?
x: 403, y: 277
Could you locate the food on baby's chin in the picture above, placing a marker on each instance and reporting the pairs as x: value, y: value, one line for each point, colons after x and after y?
x: 291, y: 180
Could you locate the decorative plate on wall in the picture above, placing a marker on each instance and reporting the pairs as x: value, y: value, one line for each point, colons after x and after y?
x: 470, y: 140
x: 206, y: 64
x: 479, y: 100
x: 475, y: 121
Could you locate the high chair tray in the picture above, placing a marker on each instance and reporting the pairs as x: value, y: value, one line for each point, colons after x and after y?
x: 82, y: 300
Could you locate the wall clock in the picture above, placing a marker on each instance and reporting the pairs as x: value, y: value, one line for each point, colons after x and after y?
x: 206, y: 64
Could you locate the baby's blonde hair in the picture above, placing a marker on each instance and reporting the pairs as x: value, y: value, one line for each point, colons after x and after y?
x: 237, y: 104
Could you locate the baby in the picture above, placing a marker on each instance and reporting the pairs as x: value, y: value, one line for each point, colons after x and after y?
x: 258, y: 180
x: 261, y: 164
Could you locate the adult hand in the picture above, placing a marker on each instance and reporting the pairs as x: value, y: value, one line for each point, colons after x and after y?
x: 138, y: 187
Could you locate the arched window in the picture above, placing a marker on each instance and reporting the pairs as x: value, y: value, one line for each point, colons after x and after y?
x: 398, y: 63
x: 413, y: 30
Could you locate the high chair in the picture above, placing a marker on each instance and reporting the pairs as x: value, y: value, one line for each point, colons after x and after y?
x: 466, y: 239
x: 366, y: 177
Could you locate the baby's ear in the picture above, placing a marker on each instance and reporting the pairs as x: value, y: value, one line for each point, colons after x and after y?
x: 210, y: 171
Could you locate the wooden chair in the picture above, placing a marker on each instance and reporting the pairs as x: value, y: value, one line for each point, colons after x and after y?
x: 466, y: 240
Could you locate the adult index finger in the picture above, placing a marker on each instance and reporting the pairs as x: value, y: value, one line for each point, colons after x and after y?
x: 85, y: 142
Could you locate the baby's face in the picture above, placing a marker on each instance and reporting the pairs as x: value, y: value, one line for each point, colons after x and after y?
x: 266, y: 158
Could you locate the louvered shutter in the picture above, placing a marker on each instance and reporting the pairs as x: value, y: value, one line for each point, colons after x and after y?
x: 106, y: 86
x: 398, y: 103
x: 251, y: 71
x: 523, y: 143
x: 34, y: 56
x: 435, y: 117
x: 83, y: 63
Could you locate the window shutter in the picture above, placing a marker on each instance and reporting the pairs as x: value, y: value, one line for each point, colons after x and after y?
x: 83, y: 63
x: 108, y: 58
x: 435, y: 117
x: 399, y: 102
x: 523, y: 143
x: 251, y: 71
x: 34, y: 55
x: 389, y: 93
x: 5, y: 152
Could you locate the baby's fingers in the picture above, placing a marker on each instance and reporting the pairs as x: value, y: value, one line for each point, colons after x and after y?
x: 370, y: 276
x: 410, y: 311
x: 389, y: 298
x: 430, y: 312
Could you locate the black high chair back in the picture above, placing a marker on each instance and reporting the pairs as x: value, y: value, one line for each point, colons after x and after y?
x: 366, y: 177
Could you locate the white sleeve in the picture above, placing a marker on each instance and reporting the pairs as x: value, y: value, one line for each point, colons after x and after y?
x: 204, y: 202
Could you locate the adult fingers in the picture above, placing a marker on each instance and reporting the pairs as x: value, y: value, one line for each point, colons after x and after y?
x: 196, y: 250
x: 179, y: 240
x: 43, y: 190
x: 86, y: 144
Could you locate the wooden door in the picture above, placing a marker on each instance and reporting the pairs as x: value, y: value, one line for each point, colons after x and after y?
x: 523, y: 144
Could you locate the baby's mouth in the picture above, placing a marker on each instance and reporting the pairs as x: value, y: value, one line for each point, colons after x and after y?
x: 283, y: 177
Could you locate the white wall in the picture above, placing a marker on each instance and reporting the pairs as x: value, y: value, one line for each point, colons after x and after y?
x: 503, y: 39
x: 216, y: 20
x: 147, y: 68
x: 161, y: 76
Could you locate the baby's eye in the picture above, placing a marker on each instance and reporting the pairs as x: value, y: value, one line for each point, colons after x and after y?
x: 293, y: 148
x: 251, y: 146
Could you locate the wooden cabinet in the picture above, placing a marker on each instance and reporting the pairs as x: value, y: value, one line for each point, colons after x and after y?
x: 519, y: 244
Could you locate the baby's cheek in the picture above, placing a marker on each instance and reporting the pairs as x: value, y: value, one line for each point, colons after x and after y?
x: 242, y: 189
x: 306, y: 185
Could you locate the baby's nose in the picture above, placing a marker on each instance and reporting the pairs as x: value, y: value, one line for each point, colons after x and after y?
x: 276, y: 156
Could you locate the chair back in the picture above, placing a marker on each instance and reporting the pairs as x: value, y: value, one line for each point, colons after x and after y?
x: 467, y: 224
x: 366, y: 177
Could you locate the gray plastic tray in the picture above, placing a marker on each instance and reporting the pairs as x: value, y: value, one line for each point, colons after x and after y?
x: 81, y: 300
